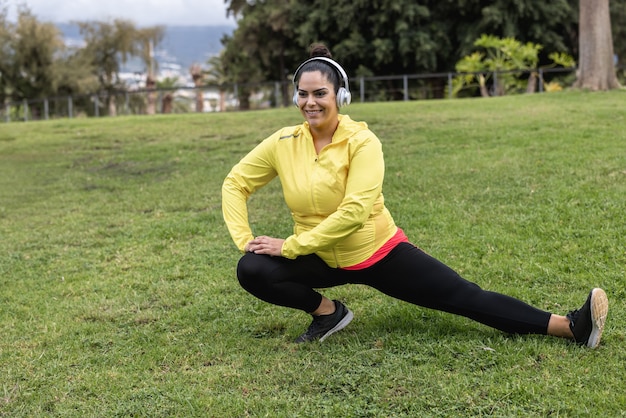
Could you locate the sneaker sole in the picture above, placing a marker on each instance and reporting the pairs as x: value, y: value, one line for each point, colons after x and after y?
x: 340, y: 325
x: 599, y: 311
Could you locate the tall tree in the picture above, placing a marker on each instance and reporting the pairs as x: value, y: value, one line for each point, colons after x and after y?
x: 197, y: 75
x: 36, y: 45
x: 6, y: 54
x: 31, y: 58
x: 596, y: 67
x: 109, y: 45
x: 264, y: 41
x: 242, y: 68
x: 147, y: 39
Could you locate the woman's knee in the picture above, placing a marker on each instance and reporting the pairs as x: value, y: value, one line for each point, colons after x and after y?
x: 248, y: 269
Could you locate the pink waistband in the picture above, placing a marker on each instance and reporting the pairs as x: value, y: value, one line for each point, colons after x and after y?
x: 397, y: 238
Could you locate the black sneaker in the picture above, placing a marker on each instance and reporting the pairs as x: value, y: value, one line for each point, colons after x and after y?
x: 587, y: 322
x: 326, y: 325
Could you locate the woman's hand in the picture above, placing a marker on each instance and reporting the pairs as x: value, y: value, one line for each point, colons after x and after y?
x: 265, y: 245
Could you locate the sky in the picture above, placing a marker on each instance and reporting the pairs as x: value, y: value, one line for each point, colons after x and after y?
x: 141, y: 12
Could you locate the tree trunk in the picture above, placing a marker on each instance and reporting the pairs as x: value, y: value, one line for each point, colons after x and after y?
x: 112, y: 104
x: 531, y: 87
x: 482, y: 82
x: 596, y: 68
x: 222, y: 106
x: 244, y: 98
x: 199, y: 101
x: 151, y: 103
x: 198, y: 78
x: 166, y: 107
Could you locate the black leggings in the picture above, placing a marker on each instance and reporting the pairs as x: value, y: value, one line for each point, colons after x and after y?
x: 406, y: 273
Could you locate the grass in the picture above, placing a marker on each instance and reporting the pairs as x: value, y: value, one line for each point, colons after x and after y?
x: 118, y: 295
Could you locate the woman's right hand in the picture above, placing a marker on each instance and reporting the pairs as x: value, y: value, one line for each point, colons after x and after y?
x: 265, y: 245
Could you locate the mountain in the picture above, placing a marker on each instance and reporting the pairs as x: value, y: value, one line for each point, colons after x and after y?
x: 181, y: 46
x: 194, y: 44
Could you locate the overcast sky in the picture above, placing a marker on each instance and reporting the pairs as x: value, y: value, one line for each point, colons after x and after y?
x: 141, y: 12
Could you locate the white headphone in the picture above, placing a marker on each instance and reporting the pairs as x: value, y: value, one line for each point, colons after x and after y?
x: 343, y: 94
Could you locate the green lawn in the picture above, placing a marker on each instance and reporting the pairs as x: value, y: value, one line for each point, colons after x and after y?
x: 118, y: 294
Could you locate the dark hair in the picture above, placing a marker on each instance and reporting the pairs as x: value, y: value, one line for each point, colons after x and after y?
x: 320, y: 50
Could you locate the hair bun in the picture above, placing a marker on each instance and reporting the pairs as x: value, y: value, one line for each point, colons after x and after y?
x: 320, y: 50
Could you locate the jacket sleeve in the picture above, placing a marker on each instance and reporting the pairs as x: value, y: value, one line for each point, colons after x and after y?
x: 251, y: 173
x: 363, y: 187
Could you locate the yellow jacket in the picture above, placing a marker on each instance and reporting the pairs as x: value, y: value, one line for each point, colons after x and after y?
x: 335, y: 197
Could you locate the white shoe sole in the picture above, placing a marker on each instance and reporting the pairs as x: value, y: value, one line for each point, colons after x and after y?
x: 599, y: 311
x: 340, y: 325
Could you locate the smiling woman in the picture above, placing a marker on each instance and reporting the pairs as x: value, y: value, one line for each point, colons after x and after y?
x: 331, y: 170
x: 321, y: 87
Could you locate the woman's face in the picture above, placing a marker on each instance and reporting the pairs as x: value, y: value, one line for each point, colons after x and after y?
x: 317, y: 100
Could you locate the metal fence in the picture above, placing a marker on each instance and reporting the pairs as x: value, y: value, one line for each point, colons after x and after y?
x: 228, y: 97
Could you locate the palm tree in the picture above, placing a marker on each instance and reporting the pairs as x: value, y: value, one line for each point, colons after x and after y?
x: 198, y: 78
x: 168, y: 83
x: 147, y: 39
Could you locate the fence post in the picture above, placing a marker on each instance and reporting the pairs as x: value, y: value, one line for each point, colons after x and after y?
x: 45, y: 108
x: 7, y: 114
x: 70, y: 106
x: 277, y: 97
x: 449, y: 85
x: 541, y: 80
x: 362, y: 89
x: 495, y: 83
x: 96, y: 110
x: 25, y: 111
x: 405, y: 81
x: 126, y: 103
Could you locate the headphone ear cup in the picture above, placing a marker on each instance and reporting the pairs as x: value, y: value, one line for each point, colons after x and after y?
x: 295, y: 97
x: 343, y: 97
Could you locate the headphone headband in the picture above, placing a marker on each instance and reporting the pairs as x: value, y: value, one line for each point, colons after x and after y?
x: 343, y: 95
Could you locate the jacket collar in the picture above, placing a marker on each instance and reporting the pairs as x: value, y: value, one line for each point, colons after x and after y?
x: 346, y: 129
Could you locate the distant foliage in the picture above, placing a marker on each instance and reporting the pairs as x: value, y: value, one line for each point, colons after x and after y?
x: 493, y: 68
x: 395, y: 37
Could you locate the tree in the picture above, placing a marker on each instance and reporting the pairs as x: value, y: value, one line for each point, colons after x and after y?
x: 111, y: 44
x: 35, y: 63
x: 6, y: 58
x: 197, y: 76
x: 504, y: 55
x: 265, y: 40
x: 243, y: 70
x: 596, y: 69
x: 548, y: 23
x: 167, y: 83
x: 32, y: 58
x: 76, y: 74
x: 147, y: 39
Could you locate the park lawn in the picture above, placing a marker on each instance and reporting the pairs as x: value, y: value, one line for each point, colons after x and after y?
x: 118, y: 294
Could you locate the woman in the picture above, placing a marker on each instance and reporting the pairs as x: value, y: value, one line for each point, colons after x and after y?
x: 331, y: 169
